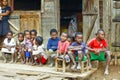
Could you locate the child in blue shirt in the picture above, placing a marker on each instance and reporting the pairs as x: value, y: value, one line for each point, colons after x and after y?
x: 77, y: 48
x: 52, y: 46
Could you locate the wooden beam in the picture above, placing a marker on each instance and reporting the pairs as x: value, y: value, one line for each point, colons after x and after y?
x: 42, y: 6
x: 13, y: 25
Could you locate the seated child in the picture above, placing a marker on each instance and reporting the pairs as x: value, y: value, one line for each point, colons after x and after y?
x: 38, y: 51
x: 99, y: 47
x: 63, y: 45
x: 20, y: 44
x: 52, y: 46
x: 70, y: 40
x: 77, y: 49
x: 28, y: 46
x: 33, y: 34
x: 8, y: 46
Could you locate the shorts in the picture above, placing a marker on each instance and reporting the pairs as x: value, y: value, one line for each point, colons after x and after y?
x: 67, y: 58
x: 42, y: 60
x: 5, y: 50
x: 27, y: 54
x: 84, y: 58
x: 100, y: 57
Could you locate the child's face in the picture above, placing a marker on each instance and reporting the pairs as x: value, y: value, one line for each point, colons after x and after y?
x: 79, y: 38
x: 101, y: 35
x: 27, y: 35
x: 9, y: 35
x: 69, y: 40
x: 33, y: 35
x: 4, y: 2
x: 53, y: 35
x: 20, y: 38
x: 63, y: 37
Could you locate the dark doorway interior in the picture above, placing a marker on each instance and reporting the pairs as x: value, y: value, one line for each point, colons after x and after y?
x: 68, y: 9
x: 27, y: 4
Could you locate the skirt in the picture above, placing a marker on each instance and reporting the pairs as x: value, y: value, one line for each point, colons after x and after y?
x: 4, y: 28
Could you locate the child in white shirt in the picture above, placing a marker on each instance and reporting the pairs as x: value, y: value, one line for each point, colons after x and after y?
x: 8, y: 46
x: 38, y: 51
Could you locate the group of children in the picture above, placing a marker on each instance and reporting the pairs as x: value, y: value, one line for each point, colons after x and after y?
x: 31, y: 49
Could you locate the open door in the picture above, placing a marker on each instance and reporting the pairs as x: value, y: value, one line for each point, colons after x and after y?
x: 70, y: 13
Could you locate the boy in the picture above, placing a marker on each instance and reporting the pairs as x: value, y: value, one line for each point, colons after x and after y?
x: 63, y: 45
x: 52, y: 46
x: 79, y: 48
x: 20, y: 44
x: 98, y: 46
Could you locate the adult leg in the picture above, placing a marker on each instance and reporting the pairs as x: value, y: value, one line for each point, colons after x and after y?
x: 108, y: 57
x: 4, y: 57
x: 73, y: 59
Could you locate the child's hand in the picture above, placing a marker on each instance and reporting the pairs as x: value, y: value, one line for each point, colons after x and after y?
x: 9, y: 48
x: 97, y: 51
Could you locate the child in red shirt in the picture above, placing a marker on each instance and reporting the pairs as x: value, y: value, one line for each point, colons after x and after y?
x: 98, y: 45
x: 63, y: 45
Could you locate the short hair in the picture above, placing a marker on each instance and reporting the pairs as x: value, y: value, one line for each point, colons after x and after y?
x: 10, y: 32
x: 99, y: 31
x: 39, y: 39
x: 71, y: 38
x: 21, y: 34
x: 53, y: 30
x: 26, y: 31
x: 78, y: 33
x: 33, y: 30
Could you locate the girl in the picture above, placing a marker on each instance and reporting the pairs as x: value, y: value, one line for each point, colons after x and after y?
x: 28, y: 46
x: 8, y: 46
x: 4, y: 25
x: 38, y: 51
x: 33, y: 34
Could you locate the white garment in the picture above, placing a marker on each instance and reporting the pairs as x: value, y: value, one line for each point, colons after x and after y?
x: 11, y: 43
x: 0, y: 9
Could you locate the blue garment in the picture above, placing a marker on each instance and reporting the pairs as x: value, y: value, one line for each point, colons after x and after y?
x: 80, y: 44
x: 27, y: 54
x: 53, y: 44
x: 4, y: 25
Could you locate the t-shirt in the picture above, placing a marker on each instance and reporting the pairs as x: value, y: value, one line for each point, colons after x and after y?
x: 28, y: 43
x: 82, y: 44
x: 94, y: 44
x: 63, y: 46
x: 11, y: 43
x: 7, y: 8
x: 53, y: 44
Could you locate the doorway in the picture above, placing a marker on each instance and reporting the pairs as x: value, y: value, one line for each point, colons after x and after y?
x: 70, y: 13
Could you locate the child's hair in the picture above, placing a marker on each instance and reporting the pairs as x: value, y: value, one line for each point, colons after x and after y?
x: 33, y: 30
x: 53, y: 30
x: 39, y: 40
x: 10, y: 32
x: 78, y: 33
x: 26, y: 31
x: 21, y: 34
x: 71, y: 38
x: 99, y: 31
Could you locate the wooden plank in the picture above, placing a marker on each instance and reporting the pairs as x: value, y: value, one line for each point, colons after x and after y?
x: 91, y: 27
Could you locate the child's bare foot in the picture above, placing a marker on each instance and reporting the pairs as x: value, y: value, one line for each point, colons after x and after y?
x: 11, y: 61
x: 73, y: 67
x: 51, y: 65
x: 40, y: 64
x: 78, y: 67
x: 23, y: 62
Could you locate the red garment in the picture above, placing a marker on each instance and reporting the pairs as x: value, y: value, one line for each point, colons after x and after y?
x: 94, y: 44
x: 63, y: 46
x: 42, y: 60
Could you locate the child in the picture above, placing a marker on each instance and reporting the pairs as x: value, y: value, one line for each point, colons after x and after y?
x: 63, y: 45
x: 33, y: 34
x: 28, y: 46
x: 8, y: 46
x: 70, y: 40
x: 52, y: 46
x: 38, y: 51
x: 20, y: 44
x: 79, y: 48
x: 98, y: 46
